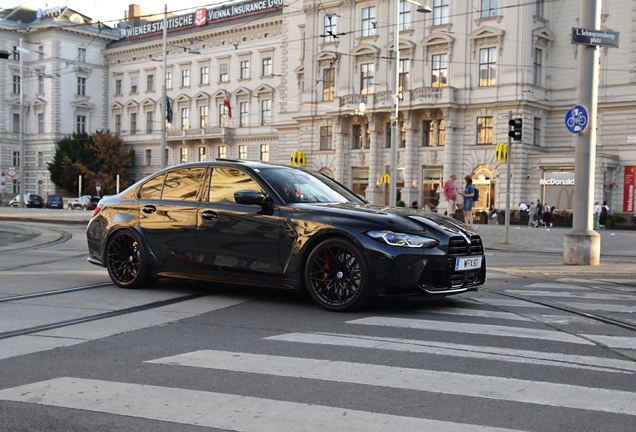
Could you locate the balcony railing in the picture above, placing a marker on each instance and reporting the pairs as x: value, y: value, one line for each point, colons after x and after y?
x: 208, y: 132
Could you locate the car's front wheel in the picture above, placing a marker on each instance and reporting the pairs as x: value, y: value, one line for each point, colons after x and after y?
x: 127, y: 260
x: 337, y: 276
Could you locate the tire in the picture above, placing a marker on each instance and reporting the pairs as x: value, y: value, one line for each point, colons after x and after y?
x: 127, y: 261
x: 337, y: 276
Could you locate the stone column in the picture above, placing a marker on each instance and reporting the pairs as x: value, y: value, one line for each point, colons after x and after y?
x: 374, y: 193
x: 410, y: 192
x: 451, y: 164
x: 339, y: 144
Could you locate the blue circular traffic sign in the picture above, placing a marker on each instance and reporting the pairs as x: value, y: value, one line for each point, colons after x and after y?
x: 576, y: 119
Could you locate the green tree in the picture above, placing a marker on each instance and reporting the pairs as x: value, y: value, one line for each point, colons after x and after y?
x: 97, y: 158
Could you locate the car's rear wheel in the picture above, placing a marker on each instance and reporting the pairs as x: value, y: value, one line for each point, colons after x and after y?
x: 127, y: 261
x: 337, y: 276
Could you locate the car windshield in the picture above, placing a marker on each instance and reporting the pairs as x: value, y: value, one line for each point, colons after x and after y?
x: 296, y: 186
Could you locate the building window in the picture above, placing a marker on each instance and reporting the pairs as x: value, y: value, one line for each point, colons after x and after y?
x: 267, y: 66
x: 245, y: 69
x: 403, y: 81
x: 148, y: 157
x: 538, y: 56
x: 222, y: 152
x: 81, y: 55
x: 440, y: 70
x: 487, y: 67
x: 330, y: 30
x: 440, y: 12
x: 185, y: 78
x: 185, y: 118
x: 117, y: 87
x: 427, y: 133
x: 41, y: 84
x: 183, y: 154
x: 224, y: 74
x: 265, y: 152
x: 40, y: 123
x: 368, y: 21
x: 149, y: 122
x: 367, y: 72
x: 205, y: 75
x: 133, y: 84
x: 484, y: 130
x: 168, y: 80
x: 223, y: 116
x: 202, y: 155
x: 441, y: 133
x: 40, y: 159
x: 40, y: 52
x: 242, y: 152
x: 118, y: 124
x: 133, y: 123
x: 489, y: 8
x: 244, y: 114
x: 402, y: 142
x: 266, y: 112
x: 16, y: 123
x: 16, y: 84
x: 405, y: 15
x: 356, y: 137
x: 326, y: 138
x: 536, y: 132
x: 80, y: 124
x: 539, y: 8
x: 150, y: 83
x: 328, y: 84
x: 81, y: 86
x: 203, y: 116
x: 16, y: 158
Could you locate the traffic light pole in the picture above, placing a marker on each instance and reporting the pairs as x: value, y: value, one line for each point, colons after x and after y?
x: 582, y: 245
x: 506, y: 239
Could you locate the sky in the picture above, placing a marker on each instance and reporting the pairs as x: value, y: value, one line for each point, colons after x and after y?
x: 112, y: 11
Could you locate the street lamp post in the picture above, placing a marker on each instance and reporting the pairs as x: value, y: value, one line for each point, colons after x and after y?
x: 22, y: 187
x: 396, y: 97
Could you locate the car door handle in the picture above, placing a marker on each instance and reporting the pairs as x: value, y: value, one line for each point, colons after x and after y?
x: 149, y: 209
x: 209, y: 215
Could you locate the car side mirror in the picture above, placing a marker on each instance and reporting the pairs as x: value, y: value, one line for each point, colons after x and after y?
x: 250, y: 197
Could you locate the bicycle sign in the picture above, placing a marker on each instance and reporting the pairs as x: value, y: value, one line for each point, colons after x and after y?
x: 576, y: 119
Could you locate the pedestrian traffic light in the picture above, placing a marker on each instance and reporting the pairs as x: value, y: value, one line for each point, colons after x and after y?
x: 4, y: 54
x: 501, y: 152
x: 517, y: 129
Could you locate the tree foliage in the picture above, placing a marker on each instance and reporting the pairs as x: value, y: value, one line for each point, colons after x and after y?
x: 97, y: 158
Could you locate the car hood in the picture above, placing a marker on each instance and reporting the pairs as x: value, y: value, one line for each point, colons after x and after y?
x: 398, y: 218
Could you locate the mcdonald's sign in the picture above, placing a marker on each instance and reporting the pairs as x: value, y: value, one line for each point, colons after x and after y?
x: 385, y: 179
x: 501, y: 152
x: 297, y: 158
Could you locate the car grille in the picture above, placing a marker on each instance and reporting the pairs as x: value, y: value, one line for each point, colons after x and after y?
x: 458, y: 246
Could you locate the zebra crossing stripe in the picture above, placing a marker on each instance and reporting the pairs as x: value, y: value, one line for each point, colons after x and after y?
x: 462, y: 350
x: 216, y: 410
x: 475, y: 313
x: 452, y: 383
x: 510, y: 303
x: 614, y: 341
x: 565, y: 294
x: 483, y: 329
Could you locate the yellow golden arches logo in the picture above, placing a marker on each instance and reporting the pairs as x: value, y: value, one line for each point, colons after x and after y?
x: 385, y: 179
x: 501, y: 152
x: 297, y: 158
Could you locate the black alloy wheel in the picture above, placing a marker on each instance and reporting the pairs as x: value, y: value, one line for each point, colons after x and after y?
x: 337, y: 277
x: 126, y: 260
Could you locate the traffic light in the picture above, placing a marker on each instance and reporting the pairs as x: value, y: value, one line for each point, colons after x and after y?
x: 501, y: 152
x: 517, y: 129
x: 4, y: 54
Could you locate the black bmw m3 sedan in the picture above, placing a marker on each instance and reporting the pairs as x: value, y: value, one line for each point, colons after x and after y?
x: 260, y: 224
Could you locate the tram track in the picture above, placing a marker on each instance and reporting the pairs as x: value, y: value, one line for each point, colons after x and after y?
x: 63, y: 238
x: 21, y: 266
x: 52, y: 292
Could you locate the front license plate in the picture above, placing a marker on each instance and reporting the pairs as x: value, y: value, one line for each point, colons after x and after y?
x: 467, y: 263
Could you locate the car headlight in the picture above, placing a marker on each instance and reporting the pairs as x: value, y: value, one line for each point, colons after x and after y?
x: 403, y: 240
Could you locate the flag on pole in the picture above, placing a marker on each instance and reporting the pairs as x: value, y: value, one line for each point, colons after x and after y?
x: 168, y: 112
x: 226, y: 103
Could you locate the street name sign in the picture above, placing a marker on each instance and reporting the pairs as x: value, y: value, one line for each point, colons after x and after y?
x: 604, y: 38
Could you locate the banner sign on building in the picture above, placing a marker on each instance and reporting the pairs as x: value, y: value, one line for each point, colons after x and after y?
x: 628, y: 189
x: 202, y: 17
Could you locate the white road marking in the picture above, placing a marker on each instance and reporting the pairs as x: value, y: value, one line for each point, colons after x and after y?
x: 488, y: 387
x: 614, y: 341
x: 461, y: 350
x: 475, y: 313
x: 510, y: 303
x: 482, y: 329
x: 564, y: 294
x: 215, y: 410
x: 556, y: 286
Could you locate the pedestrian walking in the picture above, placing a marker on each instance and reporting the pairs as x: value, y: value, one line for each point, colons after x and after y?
x: 532, y: 212
x: 538, y: 216
x: 597, y: 215
x: 604, y: 212
x: 468, y: 194
x: 547, y: 216
x: 450, y: 194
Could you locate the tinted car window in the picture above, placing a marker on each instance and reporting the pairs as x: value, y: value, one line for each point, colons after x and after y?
x: 183, y: 184
x: 225, y: 181
x: 152, y: 188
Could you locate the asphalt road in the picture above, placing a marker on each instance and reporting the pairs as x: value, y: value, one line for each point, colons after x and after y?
x: 251, y: 359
